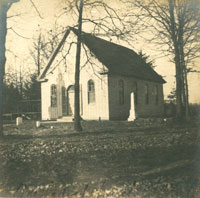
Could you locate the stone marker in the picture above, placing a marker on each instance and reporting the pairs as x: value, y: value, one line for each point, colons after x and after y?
x: 18, y: 121
x: 37, y: 124
x: 132, y: 108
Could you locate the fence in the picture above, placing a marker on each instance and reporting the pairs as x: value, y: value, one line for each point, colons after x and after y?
x: 29, y: 109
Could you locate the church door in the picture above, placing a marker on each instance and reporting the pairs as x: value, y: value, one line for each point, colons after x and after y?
x: 70, y: 100
x: 64, y: 101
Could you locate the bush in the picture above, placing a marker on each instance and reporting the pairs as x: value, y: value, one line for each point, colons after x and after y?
x: 195, y: 110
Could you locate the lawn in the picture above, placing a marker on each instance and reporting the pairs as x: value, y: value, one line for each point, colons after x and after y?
x: 107, y: 159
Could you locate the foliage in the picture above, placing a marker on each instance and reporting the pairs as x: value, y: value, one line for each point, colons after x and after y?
x: 172, y: 95
x: 146, y: 59
x: 21, y: 97
x: 195, y: 111
x: 32, y: 88
x: 12, y: 97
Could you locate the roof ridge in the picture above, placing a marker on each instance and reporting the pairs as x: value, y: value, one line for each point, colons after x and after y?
x: 112, y: 43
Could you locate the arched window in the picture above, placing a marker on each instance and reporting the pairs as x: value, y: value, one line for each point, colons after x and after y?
x: 146, y: 91
x: 156, y: 94
x: 121, y: 92
x: 91, y: 92
x: 136, y: 94
x: 53, y: 96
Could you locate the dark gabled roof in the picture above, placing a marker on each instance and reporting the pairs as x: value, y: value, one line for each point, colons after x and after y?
x: 118, y: 59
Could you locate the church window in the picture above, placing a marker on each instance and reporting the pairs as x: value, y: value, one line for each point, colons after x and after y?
x: 53, y: 96
x: 156, y: 94
x: 91, y: 92
x: 146, y: 89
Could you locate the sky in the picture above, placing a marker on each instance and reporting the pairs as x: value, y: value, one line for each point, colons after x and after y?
x: 26, y: 23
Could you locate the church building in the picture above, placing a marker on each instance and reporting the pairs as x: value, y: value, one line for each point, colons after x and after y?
x: 110, y: 75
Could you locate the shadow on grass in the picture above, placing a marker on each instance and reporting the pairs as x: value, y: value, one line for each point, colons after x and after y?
x: 17, y: 173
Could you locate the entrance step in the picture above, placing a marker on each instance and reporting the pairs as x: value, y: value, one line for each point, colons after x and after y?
x: 66, y: 119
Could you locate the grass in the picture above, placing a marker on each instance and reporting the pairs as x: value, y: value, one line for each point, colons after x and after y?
x: 108, y: 159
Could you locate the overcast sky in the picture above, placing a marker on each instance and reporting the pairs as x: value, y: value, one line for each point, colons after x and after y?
x: 29, y: 23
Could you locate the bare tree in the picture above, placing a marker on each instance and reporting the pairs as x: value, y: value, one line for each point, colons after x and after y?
x: 4, y: 7
x: 43, y: 46
x: 38, y: 46
x: 103, y: 20
x: 174, y: 24
x: 77, y: 124
x: 108, y: 23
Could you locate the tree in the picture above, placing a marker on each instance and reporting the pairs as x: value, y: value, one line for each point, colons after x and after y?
x: 77, y: 124
x: 44, y: 45
x: 4, y: 7
x: 108, y: 24
x: 11, y: 95
x: 175, y: 25
x: 146, y: 59
x: 172, y: 95
x: 32, y: 88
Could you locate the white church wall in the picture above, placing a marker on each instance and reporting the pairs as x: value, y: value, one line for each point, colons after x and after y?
x: 63, y: 76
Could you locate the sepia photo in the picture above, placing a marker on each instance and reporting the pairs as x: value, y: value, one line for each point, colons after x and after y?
x: 100, y: 98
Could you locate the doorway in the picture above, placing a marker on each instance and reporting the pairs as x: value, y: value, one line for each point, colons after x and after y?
x: 64, y: 101
x: 70, y: 100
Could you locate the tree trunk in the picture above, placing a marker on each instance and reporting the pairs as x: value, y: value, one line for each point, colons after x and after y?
x: 38, y: 55
x: 187, y: 110
x: 178, y: 87
x: 3, y: 28
x: 77, y: 120
x: 183, y: 71
x: 184, y: 84
x: 186, y: 93
x: 183, y: 91
x: 177, y: 62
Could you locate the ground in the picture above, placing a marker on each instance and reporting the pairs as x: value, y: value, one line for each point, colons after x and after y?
x: 147, y: 158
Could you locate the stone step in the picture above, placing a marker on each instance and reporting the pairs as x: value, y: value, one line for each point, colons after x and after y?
x: 66, y: 119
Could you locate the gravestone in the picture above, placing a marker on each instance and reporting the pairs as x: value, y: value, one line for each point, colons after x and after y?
x: 132, y: 108
x: 37, y: 124
x: 18, y: 121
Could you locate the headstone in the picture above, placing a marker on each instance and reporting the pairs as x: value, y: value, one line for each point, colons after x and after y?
x: 18, y: 121
x: 132, y: 108
x: 37, y: 124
